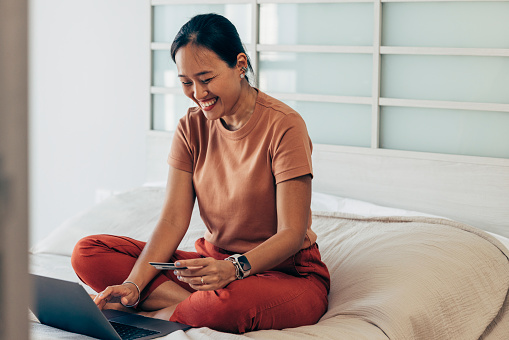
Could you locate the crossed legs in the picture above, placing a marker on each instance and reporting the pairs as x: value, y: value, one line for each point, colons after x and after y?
x: 294, y: 294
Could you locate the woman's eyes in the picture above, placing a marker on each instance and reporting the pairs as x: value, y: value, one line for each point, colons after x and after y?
x: 189, y: 83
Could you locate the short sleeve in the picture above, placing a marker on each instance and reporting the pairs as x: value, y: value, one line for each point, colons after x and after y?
x: 181, y: 151
x: 292, y: 149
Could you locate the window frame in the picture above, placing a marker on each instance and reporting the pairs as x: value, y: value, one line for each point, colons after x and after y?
x: 377, y: 50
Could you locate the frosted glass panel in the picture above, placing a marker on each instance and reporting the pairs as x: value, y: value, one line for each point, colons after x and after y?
x: 454, y: 78
x: 317, y: 24
x: 164, y: 70
x: 473, y: 133
x: 316, y: 73
x: 482, y: 24
x: 337, y: 124
x: 169, y: 18
x: 167, y: 110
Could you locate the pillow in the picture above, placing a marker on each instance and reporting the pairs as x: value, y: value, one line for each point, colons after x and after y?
x: 325, y: 202
x: 133, y: 213
x: 330, y: 203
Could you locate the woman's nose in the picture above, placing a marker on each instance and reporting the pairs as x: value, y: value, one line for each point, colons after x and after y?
x: 200, y: 91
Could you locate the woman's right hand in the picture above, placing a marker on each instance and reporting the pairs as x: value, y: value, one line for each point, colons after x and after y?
x: 126, y: 294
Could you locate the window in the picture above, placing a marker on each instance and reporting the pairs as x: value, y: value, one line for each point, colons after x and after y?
x: 406, y: 75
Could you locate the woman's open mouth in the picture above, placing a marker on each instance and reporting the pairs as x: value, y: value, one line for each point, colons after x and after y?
x: 208, y: 105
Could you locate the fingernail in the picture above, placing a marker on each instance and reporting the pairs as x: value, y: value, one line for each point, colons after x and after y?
x: 177, y: 263
x: 179, y: 277
x: 175, y: 272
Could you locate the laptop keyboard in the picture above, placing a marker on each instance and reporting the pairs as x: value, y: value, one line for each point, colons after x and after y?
x: 128, y: 332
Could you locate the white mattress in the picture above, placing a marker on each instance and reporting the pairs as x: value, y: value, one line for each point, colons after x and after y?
x: 119, y: 215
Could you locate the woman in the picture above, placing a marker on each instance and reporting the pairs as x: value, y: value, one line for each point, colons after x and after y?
x: 246, y: 157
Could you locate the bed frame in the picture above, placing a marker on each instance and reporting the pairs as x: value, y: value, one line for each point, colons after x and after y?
x: 473, y: 190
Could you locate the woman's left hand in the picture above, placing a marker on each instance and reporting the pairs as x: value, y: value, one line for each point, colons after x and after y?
x: 206, y: 273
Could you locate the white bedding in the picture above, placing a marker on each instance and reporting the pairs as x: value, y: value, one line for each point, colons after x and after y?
x: 134, y: 214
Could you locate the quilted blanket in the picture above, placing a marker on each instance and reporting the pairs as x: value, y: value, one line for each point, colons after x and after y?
x: 414, y: 278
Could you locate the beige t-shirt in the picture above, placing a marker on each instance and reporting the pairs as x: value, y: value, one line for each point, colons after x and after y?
x: 235, y: 173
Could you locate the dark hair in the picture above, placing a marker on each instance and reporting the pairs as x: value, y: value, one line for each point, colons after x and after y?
x: 214, y: 32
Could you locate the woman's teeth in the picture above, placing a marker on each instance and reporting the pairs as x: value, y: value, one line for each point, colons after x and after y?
x: 209, y: 103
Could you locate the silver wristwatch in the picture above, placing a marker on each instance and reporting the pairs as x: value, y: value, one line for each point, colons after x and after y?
x: 242, y: 265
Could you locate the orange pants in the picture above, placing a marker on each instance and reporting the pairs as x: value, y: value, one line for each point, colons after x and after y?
x: 292, y: 294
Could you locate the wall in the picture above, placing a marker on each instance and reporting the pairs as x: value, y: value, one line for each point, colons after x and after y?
x: 89, y: 102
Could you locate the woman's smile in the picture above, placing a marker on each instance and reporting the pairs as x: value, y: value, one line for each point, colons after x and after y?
x: 219, y: 90
x: 208, y: 104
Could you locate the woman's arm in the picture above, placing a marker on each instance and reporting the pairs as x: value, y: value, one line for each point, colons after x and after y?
x: 169, y: 230
x: 293, y: 204
x: 167, y: 235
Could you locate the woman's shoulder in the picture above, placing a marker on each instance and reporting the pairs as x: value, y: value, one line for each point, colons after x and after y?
x: 192, y: 125
x: 193, y: 117
x: 193, y: 113
x: 272, y: 103
x: 277, y: 111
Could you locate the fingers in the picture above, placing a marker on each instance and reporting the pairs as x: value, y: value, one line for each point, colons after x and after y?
x: 113, y: 294
x: 205, y: 282
x: 205, y: 273
x: 101, y: 300
x: 195, y: 263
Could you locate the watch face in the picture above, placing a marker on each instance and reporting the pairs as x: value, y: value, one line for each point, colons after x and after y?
x: 244, y: 263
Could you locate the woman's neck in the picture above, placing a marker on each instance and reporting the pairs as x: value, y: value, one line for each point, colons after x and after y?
x: 247, y: 101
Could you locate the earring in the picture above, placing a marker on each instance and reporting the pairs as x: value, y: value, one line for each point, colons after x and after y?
x: 244, y: 69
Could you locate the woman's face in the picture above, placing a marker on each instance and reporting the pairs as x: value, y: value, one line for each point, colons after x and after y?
x: 209, y: 81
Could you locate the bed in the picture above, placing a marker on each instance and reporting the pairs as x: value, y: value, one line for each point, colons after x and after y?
x: 416, y: 244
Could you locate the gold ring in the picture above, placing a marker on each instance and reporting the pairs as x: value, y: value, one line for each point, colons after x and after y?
x: 202, y: 281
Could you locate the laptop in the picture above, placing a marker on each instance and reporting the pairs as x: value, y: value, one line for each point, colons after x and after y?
x: 68, y: 306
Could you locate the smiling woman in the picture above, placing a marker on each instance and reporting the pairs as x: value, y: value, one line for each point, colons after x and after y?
x: 246, y: 158
x: 219, y: 90
x: 212, y: 66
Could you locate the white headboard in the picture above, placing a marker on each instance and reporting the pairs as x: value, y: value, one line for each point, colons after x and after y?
x: 474, y: 190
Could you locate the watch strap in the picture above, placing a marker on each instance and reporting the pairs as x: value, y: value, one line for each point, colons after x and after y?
x: 236, y: 264
x: 239, y: 270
